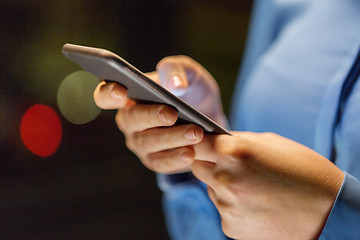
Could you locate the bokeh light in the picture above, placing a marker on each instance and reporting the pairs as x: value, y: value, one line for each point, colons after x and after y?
x: 75, y: 97
x: 41, y: 130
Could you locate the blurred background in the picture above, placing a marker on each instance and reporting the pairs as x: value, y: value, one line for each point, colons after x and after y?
x: 64, y: 170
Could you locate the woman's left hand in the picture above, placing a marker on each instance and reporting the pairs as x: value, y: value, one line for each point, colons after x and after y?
x: 266, y: 186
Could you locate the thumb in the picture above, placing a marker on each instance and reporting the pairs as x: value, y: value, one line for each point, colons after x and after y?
x: 173, y: 75
x: 191, y: 82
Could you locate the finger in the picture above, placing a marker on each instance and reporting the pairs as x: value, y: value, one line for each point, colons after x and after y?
x: 160, y: 139
x: 221, y: 179
x: 170, y: 162
x: 153, y: 76
x: 212, y: 194
x: 110, y: 95
x: 172, y: 73
x: 205, y: 150
x: 219, y: 201
x: 222, y: 149
x: 204, y: 171
x: 139, y: 117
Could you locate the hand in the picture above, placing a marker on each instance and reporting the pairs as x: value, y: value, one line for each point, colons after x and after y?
x: 266, y: 186
x: 149, y: 129
x: 188, y: 80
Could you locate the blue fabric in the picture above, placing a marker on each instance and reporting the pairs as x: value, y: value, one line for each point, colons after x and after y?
x: 344, y: 219
x: 298, y: 56
x: 189, y: 213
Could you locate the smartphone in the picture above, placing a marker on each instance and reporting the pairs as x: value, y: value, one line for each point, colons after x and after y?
x: 108, y: 66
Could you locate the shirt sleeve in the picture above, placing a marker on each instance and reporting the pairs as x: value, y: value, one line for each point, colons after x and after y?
x: 344, y: 218
x: 189, y: 213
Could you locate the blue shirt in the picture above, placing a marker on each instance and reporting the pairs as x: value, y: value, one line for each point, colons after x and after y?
x: 298, y: 55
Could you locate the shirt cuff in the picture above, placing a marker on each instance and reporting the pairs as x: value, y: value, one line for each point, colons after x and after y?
x: 168, y: 181
x: 344, y: 218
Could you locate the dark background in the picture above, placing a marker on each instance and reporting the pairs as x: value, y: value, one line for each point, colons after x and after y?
x: 93, y: 187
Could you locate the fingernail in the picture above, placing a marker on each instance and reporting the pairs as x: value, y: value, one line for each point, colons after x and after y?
x: 162, y: 117
x: 115, y: 93
x: 186, y: 157
x: 190, y: 134
x: 175, y: 82
x: 167, y: 115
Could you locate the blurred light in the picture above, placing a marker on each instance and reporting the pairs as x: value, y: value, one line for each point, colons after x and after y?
x: 41, y: 130
x: 75, y: 97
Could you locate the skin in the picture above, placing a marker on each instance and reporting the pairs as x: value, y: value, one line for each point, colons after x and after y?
x: 264, y: 186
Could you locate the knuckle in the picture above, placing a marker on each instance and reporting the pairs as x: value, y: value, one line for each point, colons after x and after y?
x: 269, y: 135
x: 235, y: 151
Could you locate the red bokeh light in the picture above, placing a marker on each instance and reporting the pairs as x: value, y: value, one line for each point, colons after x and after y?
x: 41, y: 130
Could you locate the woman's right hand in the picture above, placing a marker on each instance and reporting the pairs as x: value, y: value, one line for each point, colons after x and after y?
x: 149, y: 130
